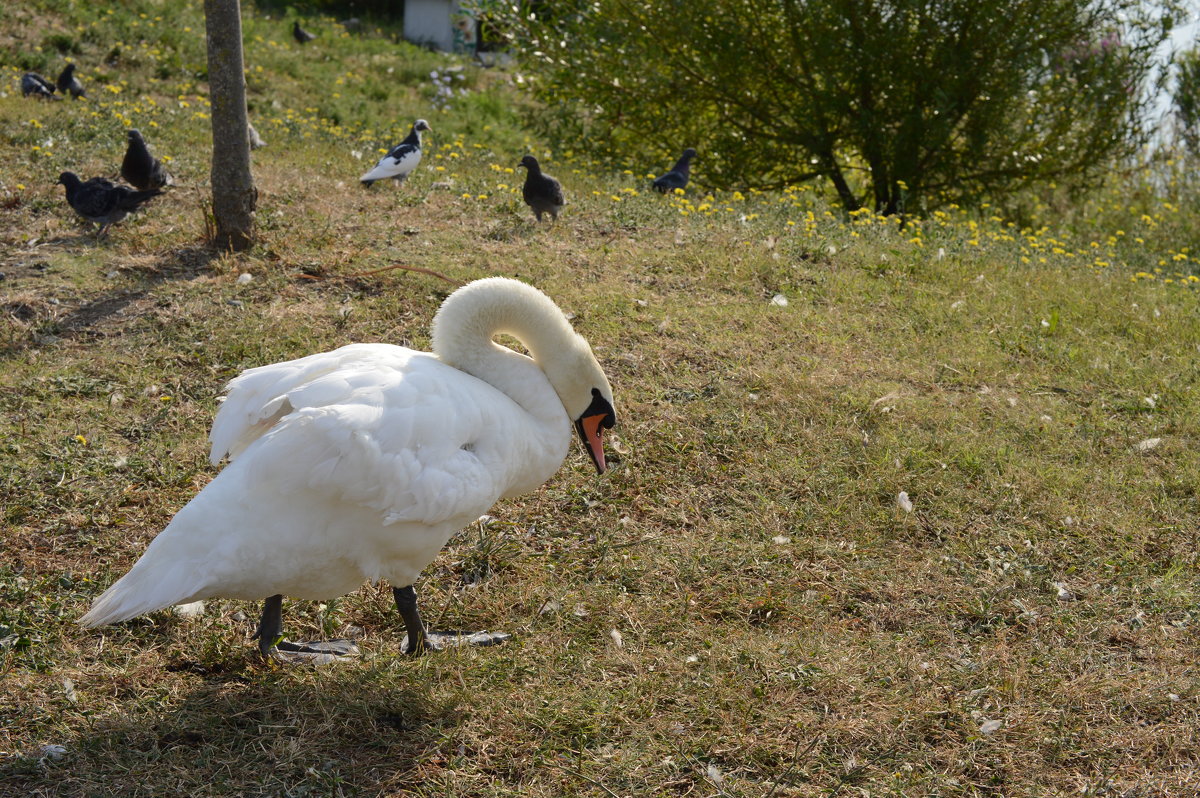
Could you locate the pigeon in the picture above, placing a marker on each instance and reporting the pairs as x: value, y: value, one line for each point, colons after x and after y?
x: 256, y: 140
x: 300, y: 34
x: 402, y: 159
x: 141, y: 169
x: 68, y: 83
x: 102, y: 201
x: 541, y: 191
x: 678, y: 176
x: 33, y: 84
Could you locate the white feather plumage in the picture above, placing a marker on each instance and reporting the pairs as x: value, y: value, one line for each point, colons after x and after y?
x: 401, y: 159
x: 396, y: 164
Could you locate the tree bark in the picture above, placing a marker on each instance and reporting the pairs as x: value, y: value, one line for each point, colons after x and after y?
x: 233, y: 192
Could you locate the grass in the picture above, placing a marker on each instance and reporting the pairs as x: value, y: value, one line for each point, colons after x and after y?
x: 782, y: 628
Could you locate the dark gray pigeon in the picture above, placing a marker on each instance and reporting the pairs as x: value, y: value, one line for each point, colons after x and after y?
x: 300, y: 34
x: 34, y: 85
x: 102, y: 201
x: 68, y: 83
x: 678, y: 176
x: 401, y: 159
x: 541, y: 191
x: 141, y: 169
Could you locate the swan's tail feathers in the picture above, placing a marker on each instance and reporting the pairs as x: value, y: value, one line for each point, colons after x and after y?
x: 140, y: 591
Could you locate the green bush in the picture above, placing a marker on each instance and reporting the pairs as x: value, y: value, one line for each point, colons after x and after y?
x: 898, y: 104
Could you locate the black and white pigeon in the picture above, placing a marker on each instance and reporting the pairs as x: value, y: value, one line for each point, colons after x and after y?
x: 541, y: 191
x: 300, y: 34
x: 34, y: 85
x: 68, y: 83
x: 401, y: 160
x: 679, y: 174
x: 141, y: 169
x: 102, y: 201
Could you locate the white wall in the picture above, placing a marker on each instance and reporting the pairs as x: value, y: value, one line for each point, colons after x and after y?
x: 428, y: 22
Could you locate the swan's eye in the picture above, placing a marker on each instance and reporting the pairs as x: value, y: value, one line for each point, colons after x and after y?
x: 601, y: 407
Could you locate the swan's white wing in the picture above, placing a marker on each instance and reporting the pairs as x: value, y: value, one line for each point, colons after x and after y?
x: 378, y: 426
x: 260, y: 397
x: 359, y: 456
x: 399, y: 162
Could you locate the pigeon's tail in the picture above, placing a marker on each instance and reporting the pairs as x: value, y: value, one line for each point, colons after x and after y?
x: 135, y: 199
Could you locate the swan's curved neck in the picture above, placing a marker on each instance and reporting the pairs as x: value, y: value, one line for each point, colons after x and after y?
x: 472, y: 316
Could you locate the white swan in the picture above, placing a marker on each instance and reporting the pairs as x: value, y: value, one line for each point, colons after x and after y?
x: 360, y: 463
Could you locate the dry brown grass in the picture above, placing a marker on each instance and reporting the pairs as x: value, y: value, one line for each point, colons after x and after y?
x: 785, y: 629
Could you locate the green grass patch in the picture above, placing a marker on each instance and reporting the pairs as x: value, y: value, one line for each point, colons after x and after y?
x: 782, y: 373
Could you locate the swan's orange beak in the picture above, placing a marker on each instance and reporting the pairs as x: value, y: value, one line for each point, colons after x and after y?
x: 591, y: 425
x: 590, y: 433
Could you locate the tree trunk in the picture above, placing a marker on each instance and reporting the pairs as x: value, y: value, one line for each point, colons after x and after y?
x: 233, y: 192
x: 834, y: 173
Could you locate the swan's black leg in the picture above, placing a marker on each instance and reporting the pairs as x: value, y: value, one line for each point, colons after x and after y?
x: 270, y: 626
x: 270, y: 631
x: 420, y: 640
x: 406, y: 603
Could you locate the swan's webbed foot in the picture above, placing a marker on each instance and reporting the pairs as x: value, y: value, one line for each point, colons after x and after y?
x: 419, y: 640
x: 273, y: 647
x: 314, y: 652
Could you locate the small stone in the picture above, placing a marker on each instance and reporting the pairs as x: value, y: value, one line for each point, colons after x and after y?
x: 193, y: 609
x: 51, y: 753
